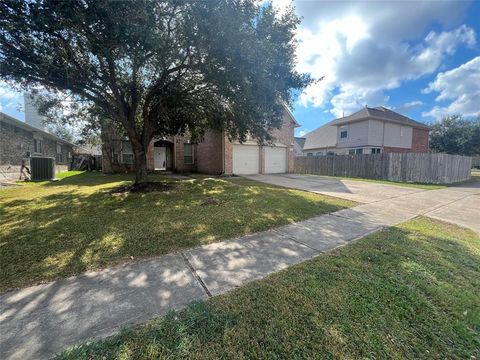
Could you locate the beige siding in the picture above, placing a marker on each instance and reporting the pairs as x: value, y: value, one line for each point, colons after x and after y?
x: 375, y: 132
x: 357, y: 135
x: 398, y: 136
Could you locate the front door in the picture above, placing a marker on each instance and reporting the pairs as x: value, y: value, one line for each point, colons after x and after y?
x: 160, y: 157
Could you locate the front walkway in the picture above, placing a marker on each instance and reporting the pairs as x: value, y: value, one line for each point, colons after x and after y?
x: 39, y: 321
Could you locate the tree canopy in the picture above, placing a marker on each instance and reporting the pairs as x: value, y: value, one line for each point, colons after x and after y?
x: 157, y: 68
x: 455, y: 135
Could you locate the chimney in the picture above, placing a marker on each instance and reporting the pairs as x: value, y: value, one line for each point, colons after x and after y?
x: 32, y: 117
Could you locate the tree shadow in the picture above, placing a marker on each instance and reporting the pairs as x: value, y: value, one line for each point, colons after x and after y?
x: 399, y: 293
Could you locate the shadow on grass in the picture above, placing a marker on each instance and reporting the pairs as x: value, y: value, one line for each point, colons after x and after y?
x: 408, y: 292
x: 67, y: 232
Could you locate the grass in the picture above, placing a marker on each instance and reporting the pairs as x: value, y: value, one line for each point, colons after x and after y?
x: 57, y: 229
x: 409, y: 292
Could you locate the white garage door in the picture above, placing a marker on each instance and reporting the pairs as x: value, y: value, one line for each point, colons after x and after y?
x: 275, y: 160
x: 246, y: 159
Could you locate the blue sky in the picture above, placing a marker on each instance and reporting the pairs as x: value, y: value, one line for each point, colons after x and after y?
x: 420, y: 58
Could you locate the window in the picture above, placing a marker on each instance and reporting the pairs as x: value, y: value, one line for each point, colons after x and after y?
x: 38, y: 146
x: 188, y: 153
x: 330, y: 153
x: 310, y: 154
x: 319, y: 153
x: 127, y: 153
x: 343, y: 132
x: 59, y: 153
x: 355, y: 151
x: 376, y: 151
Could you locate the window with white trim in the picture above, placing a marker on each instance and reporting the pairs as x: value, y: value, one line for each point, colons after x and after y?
x: 344, y: 132
x: 376, y: 150
x: 127, y: 152
x: 188, y: 154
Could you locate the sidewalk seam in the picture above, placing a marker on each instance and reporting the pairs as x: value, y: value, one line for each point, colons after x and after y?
x: 194, y: 273
x: 296, y: 240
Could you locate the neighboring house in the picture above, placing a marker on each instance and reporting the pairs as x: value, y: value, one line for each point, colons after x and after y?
x: 298, y: 146
x: 214, y: 155
x: 21, y: 140
x: 370, y: 130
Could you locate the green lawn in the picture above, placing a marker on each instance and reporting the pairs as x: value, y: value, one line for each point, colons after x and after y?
x: 409, y: 292
x: 57, y: 229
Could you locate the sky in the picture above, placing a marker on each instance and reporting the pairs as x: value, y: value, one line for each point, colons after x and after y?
x: 420, y: 58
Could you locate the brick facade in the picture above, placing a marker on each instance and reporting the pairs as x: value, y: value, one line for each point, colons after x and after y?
x: 17, y: 143
x: 420, y: 140
x: 213, y: 155
x: 210, y: 153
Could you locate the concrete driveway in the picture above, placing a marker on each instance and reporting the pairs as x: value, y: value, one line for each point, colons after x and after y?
x: 360, y: 191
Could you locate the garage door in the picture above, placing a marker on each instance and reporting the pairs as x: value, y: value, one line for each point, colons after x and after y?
x: 275, y: 160
x: 246, y: 159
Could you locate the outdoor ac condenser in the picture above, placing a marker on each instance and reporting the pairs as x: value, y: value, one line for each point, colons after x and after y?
x: 42, y: 168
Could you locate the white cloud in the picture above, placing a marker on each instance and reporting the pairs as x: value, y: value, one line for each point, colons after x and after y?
x: 461, y: 86
x: 303, y: 132
x: 409, y: 105
x: 10, y: 99
x: 361, y: 51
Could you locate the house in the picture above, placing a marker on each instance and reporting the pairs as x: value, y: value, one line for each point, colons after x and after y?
x: 368, y: 131
x: 298, y: 146
x: 21, y: 140
x: 216, y: 154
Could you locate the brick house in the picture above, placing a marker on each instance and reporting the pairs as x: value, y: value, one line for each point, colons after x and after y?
x: 368, y: 131
x: 20, y: 140
x: 214, y: 155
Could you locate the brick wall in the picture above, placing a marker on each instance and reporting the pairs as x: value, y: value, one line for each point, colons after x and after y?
x: 179, y: 164
x: 228, y: 153
x: 16, y: 143
x: 389, y: 149
x: 209, y: 153
x: 420, y: 140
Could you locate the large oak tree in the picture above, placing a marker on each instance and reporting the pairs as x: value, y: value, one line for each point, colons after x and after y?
x: 157, y: 68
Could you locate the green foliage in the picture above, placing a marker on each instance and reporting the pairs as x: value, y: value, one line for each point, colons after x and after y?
x: 409, y: 292
x: 455, y: 135
x: 158, y: 68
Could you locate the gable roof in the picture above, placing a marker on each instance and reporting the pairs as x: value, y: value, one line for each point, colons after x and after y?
x: 323, y: 137
x: 379, y: 113
x: 23, y: 125
x: 300, y: 141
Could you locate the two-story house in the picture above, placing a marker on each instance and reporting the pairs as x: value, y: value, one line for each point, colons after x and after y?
x: 368, y: 131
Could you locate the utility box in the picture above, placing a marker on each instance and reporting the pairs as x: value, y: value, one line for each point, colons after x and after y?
x: 42, y: 168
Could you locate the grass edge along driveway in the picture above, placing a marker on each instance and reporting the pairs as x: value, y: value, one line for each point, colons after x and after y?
x: 57, y: 229
x: 410, y: 291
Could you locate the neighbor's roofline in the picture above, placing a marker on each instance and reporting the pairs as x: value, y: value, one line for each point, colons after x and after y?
x: 343, y: 120
x: 24, y: 125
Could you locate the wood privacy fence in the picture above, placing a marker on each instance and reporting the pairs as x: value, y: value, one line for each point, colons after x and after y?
x: 408, y: 167
x: 475, y: 161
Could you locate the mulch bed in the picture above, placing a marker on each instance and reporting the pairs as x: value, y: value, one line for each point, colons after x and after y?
x: 142, y: 188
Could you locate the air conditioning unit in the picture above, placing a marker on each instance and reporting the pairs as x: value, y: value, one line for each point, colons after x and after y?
x: 42, y: 168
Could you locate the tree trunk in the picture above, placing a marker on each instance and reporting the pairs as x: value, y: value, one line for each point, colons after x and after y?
x: 140, y: 164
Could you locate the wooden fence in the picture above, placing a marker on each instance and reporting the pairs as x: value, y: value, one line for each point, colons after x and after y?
x: 409, y: 167
x: 475, y: 161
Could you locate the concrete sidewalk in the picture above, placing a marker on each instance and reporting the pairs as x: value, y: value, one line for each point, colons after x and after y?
x: 39, y: 321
